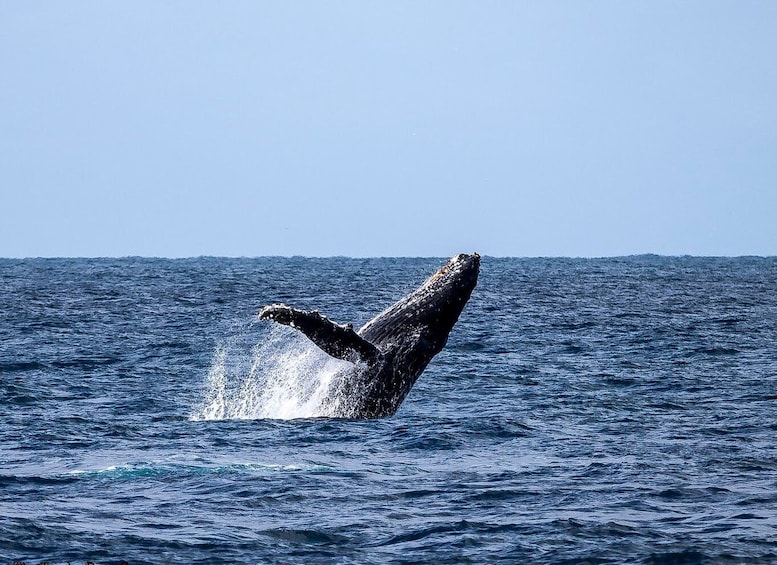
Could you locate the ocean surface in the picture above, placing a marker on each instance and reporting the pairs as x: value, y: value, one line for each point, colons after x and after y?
x: 584, y: 411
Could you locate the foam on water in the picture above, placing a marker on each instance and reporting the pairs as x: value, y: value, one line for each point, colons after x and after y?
x: 282, y: 376
x: 141, y: 469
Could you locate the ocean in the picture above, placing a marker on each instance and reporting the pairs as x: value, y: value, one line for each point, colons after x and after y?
x: 618, y: 410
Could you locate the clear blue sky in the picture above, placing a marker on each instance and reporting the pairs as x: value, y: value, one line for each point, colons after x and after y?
x: 569, y: 128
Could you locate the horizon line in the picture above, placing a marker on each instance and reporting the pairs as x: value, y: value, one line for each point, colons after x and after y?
x: 300, y: 256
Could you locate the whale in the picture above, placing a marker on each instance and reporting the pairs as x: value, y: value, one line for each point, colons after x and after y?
x: 388, y: 354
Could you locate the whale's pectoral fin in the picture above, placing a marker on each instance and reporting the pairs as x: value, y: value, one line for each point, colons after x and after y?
x: 336, y: 340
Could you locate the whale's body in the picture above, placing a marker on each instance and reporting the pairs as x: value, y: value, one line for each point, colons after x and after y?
x: 390, y: 351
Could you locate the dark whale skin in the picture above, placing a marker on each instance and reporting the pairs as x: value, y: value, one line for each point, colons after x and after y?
x: 390, y: 351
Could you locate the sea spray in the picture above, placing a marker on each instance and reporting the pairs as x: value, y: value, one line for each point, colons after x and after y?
x: 270, y: 371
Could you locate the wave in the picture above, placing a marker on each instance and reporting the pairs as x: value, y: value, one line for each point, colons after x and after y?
x: 143, y: 470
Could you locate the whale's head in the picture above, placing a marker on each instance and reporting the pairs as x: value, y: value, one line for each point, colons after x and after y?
x: 458, y: 277
x: 429, y: 313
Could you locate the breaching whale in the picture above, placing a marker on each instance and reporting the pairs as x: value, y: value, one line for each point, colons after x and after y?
x: 390, y: 351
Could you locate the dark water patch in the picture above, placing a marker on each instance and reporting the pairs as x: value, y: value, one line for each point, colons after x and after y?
x: 11, y: 481
x: 425, y: 532
x: 84, y: 363
x: 470, y: 346
x: 21, y: 367
x: 753, y: 464
x: 17, y: 397
x: 434, y: 441
x: 619, y: 380
x: 728, y: 322
x: 305, y: 537
x: 499, y: 495
x: 714, y: 351
x: 669, y: 406
x: 690, y: 494
x: 497, y: 427
x: 684, y: 557
x: 415, y: 494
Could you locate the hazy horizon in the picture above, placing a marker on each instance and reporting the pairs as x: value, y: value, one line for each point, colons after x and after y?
x: 485, y: 256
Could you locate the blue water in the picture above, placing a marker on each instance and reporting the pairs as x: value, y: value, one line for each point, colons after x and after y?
x: 584, y: 411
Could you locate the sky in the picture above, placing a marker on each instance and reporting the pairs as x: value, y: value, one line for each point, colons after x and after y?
x: 388, y: 128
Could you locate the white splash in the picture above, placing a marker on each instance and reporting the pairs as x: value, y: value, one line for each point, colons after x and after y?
x: 283, y: 376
